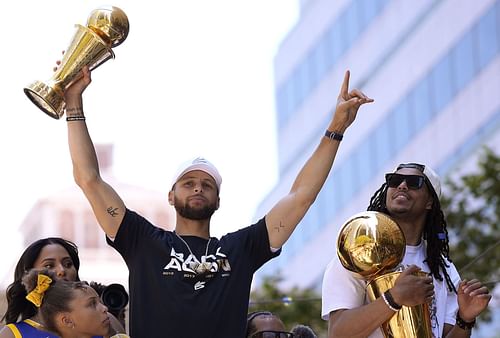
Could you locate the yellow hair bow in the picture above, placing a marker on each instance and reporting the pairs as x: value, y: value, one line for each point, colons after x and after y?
x: 42, y: 285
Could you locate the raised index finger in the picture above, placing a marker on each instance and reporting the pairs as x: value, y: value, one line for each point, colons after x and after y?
x: 344, y: 91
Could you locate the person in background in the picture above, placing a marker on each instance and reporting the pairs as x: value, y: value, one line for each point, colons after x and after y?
x: 57, y: 255
x: 264, y: 324
x: 69, y: 309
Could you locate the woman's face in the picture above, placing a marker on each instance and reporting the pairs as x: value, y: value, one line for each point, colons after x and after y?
x: 88, y: 316
x: 55, y: 258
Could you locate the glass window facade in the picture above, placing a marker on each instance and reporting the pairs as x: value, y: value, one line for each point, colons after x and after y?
x: 442, y: 85
x: 324, y: 54
x: 465, y: 60
x: 464, y: 63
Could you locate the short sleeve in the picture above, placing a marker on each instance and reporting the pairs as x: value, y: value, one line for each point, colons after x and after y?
x: 135, y: 232
x: 340, y: 289
x: 254, y: 240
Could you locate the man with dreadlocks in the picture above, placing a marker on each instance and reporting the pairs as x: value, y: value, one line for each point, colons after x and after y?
x: 410, y: 195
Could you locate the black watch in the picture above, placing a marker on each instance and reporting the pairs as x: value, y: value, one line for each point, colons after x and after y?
x: 333, y: 135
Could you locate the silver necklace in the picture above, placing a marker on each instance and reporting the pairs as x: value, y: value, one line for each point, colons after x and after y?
x: 199, y: 268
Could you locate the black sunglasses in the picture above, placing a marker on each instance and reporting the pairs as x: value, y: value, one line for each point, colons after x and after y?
x: 272, y: 334
x: 412, y: 181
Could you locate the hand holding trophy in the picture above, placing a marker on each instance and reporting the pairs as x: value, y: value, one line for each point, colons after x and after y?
x: 372, y: 245
x: 91, y: 46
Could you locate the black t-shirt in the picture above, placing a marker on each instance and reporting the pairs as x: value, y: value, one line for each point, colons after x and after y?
x: 168, y: 300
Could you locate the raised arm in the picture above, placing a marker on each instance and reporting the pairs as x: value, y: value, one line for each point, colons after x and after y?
x: 108, y: 207
x: 287, y: 213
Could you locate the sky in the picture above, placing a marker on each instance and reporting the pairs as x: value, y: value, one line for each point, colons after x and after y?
x: 193, y: 78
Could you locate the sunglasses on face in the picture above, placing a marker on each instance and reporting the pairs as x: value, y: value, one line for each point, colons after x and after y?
x: 412, y: 181
x: 272, y: 334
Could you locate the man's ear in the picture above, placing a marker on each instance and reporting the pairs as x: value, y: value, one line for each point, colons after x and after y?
x: 217, y: 205
x: 171, y: 197
x: 428, y: 206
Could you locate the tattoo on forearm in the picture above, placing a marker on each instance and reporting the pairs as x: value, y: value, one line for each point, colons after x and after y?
x: 113, y: 211
x: 278, y: 228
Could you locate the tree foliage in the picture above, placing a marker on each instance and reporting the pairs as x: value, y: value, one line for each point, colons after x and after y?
x: 472, y: 209
x: 296, y: 306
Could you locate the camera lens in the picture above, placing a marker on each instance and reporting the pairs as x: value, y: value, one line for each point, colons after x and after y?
x: 115, y: 297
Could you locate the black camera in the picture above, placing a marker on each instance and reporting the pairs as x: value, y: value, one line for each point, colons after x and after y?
x: 115, y: 297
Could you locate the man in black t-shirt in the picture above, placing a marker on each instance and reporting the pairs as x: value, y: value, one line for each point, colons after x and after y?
x: 186, y: 284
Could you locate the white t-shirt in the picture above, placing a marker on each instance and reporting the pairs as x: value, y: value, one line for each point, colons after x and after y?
x: 342, y: 290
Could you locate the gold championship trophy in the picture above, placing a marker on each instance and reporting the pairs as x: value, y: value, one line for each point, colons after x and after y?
x: 372, y: 246
x: 91, y: 46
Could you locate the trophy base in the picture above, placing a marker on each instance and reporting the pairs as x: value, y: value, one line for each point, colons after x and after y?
x: 47, y: 98
x: 409, y: 322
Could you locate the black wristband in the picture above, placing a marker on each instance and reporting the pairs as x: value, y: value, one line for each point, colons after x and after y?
x: 75, y: 118
x: 467, y: 326
x: 333, y: 135
x: 391, y: 301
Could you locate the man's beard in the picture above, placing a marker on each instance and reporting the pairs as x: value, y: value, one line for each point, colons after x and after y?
x: 195, y: 214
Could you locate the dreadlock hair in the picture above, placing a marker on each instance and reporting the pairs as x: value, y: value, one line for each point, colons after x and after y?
x: 435, y: 232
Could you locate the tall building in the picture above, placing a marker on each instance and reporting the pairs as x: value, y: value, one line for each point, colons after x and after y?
x: 433, y: 68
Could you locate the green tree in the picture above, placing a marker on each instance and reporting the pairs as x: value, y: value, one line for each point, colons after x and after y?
x: 472, y: 209
x: 297, y: 306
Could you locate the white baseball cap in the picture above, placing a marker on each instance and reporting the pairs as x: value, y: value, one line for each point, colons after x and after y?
x: 202, y: 164
x: 428, y: 172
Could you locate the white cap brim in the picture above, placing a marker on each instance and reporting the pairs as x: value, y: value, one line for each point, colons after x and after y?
x: 201, y: 164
